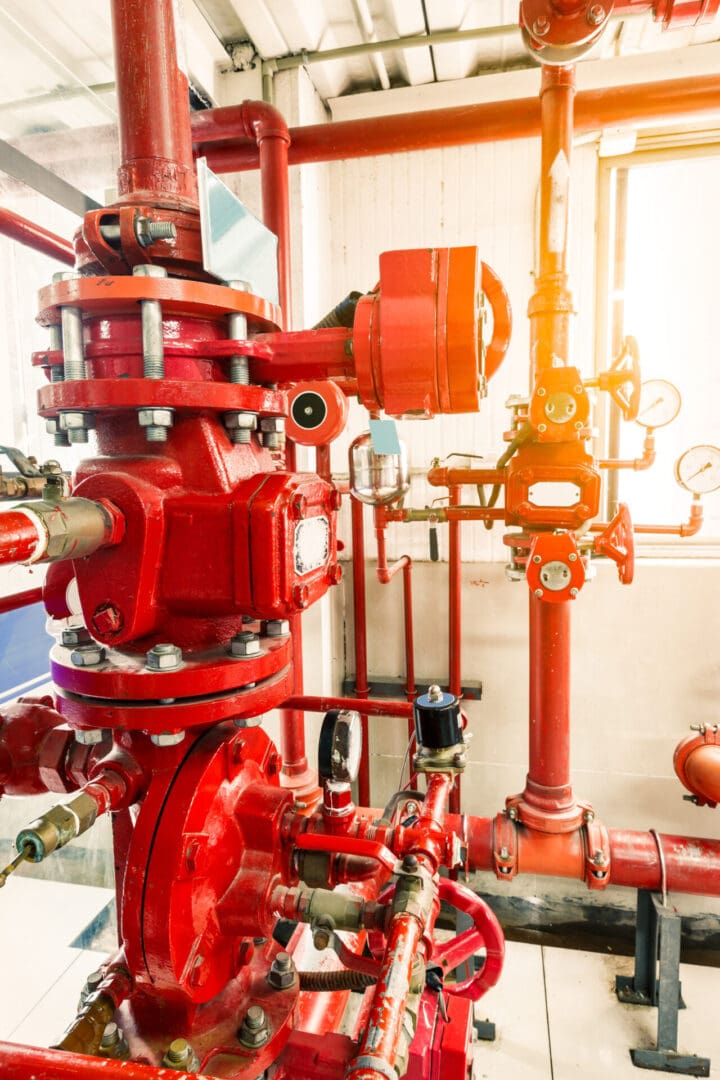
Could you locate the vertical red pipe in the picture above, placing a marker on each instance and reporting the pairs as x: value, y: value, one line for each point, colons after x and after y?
x: 548, y: 779
x: 156, y: 159
x: 362, y: 690
x: 551, y: 306
x: 455, y: 620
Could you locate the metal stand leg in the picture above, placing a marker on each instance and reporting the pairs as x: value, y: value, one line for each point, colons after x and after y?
x: 657, y: 942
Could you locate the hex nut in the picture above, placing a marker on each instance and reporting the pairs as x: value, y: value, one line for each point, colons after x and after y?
x: 91, y: 737
x: 245, y: 645
x: 87, y: 655
x: 73, y: 421
x: 155, y: 418
x: 167, y: 738
x: 277, y: 628
x: 274, y: 424
x: 181, y: 1057
x: 246, y: 421
x: 163, y: 657
x: 75, y: 635
x: 282, y: 972
x: 254, y: 1031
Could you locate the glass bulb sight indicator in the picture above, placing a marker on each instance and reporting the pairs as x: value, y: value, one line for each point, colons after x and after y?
x: 660, y: 403
x: 698, y: 469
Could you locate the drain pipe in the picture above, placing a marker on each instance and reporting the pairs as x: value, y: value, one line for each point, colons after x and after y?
x: 34, y: 236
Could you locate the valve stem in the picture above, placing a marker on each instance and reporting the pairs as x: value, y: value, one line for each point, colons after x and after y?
x: 26, y: 852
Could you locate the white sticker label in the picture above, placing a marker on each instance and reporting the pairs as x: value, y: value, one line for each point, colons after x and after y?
x: 554, y: 493
x: 312, y: 544
x: 559, y: 190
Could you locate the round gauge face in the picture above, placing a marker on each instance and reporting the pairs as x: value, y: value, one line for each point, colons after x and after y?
x: 660, y: 403
x: 698, y: 469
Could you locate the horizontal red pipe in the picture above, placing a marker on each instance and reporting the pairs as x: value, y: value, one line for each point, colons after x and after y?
x: 18, y: 537
x: 18, y: 1062
x: 20, y: 600
x: 34, y: 236
x: 464, y: 124
x: 361, y: 705
x: 692, y: 864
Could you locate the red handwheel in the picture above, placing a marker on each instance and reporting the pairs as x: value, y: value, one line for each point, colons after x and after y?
x: 499, y: 302
x: 485, y: 933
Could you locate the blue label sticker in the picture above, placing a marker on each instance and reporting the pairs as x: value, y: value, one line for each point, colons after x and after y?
x: 384, y: 437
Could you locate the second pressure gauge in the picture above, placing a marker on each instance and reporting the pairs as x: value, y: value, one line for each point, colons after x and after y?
x: 659, y: 403
x: 698, y: 469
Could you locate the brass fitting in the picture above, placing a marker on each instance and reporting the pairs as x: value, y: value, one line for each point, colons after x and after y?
x: 58, y: 826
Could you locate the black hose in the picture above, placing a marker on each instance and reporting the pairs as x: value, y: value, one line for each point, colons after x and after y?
x: 335, y: 980
x: 341, y: 315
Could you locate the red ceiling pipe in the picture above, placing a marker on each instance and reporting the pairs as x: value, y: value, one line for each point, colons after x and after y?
x: 262, y: 123
x: 362, y: 689
x: 462, y: 125
x: 156, y: 156
x: 34, y: 236
x: 20, y: 600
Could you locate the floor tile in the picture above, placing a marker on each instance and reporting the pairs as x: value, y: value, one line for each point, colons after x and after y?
x: 517, y: 1007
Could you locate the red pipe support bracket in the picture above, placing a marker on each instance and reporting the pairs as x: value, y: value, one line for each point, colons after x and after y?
x: 34, y: 236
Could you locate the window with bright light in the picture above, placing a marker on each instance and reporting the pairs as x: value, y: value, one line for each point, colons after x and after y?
x: 671, y: 304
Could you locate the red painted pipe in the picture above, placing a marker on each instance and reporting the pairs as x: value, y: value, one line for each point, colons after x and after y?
x: 20, y: 600
x: 18, y: 1062
x: 460, y: 126
x: 19, y: 538
x: 34, y: 236
x: 362, y: 688
x: 385, y: 574
x: 692, y: 864
x: 548, y: 780
x: 154, y: 125
x: 312, y: 703
x: 266, y: 126
x: 455, y: 620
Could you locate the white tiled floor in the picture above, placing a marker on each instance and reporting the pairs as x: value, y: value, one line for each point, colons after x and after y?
x: 555, y: 1010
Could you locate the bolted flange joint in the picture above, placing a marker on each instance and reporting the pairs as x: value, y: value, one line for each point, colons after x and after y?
x: 156, y: 423
x: 240, y: 426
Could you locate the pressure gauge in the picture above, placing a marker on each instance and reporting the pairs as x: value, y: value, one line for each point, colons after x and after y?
x: 660, y: 403
x: 340, y: 746
x: 698, y: 469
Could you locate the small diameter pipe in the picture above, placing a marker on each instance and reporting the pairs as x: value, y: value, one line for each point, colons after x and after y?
x: 20, y: 600
x: 638, y: 464
x: 49, y: 531
x: 362, y: 688
x: 34, y: 236
x: 20, y: 537
x: 455, y: 621
x: 19, y: 1062
x: 368, y: 706
x: 687, y: 528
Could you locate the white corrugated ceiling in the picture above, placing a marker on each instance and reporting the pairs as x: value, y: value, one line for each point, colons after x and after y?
x: 56, y: 68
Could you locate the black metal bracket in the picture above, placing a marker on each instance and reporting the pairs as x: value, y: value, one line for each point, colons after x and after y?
x: 388, y: 687
x: 656, y: 982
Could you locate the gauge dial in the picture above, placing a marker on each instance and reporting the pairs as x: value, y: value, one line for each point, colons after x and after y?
x: 660, y: 403
x: 340, y: 746
x: 698, y: 469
